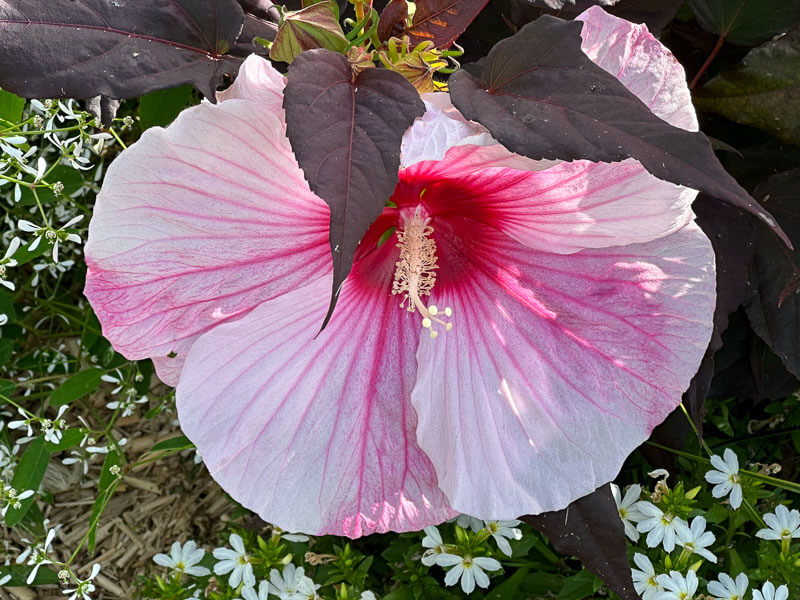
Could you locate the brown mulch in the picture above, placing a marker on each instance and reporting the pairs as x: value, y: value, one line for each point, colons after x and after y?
x: 158, y: 503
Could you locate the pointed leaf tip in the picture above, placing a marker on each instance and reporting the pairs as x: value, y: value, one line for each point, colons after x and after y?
x: 345, y: 130
x: 542, y: 97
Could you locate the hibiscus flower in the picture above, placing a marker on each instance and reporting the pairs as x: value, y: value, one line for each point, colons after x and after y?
x: 523, y: 328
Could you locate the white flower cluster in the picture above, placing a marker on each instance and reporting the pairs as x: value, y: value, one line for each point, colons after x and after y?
x: 665, y: 529
x: 676, y: 586
x: 470, y: 570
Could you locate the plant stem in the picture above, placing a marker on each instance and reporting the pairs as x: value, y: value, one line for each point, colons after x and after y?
x: 709, y: 60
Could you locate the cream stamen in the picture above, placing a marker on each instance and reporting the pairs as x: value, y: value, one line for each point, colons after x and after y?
x: 415, y: 274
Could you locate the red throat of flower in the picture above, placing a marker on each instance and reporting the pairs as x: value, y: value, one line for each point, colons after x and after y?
x: 415, y: 274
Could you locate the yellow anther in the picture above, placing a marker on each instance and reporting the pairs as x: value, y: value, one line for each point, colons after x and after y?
x: 415, y: 274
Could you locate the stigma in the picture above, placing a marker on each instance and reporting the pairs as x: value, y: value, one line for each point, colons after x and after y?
x: 415, y: 274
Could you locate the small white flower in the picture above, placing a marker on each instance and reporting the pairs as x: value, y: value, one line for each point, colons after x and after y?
x: 644, y: 580
x: 697, y: 539
x: 236, y: 562
x: 277, y: 531
x: 676, y: 586
x: 728, y: 589
x: 659, y: 526
x: 502, y: 531
x: 52, y: 430
x: 726, y: 477
x: 768, y: 592
x: 436, y: 548
x: 85, y: 587
x: 783, y: 524
x: 468, y: 522
x: 3, y: 319
x: 368, y: 596
x: 183, y: 559
x: 250, y: 593
x: 37, y: 556
x: 292, y: 584
x: 628, y: 511
x: 469, y: 569
x: 23, y: 423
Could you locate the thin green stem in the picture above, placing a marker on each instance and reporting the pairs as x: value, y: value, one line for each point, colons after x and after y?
x: 116, y: 137
x: 41, y: 208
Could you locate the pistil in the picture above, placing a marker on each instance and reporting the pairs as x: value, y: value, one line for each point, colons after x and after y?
x: 415, y: 274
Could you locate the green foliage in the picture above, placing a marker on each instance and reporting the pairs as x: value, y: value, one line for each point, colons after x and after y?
x: 763, y: 90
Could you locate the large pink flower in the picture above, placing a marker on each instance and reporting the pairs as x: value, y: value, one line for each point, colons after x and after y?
x: 574, y: 301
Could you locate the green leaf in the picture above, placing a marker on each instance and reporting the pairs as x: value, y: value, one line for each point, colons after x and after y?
x: 763, y: 90
x: 7, y: 387
x: 746, y: 22
x: 69, y: 438
x: 159, y: 108
x: 11, y: 107
x: 179, y: 442
x: 19, y: 575
x: 77, y: 386
x: 28, y: 476
x: 105, y: 489
x: 508, y: 590
x: 579, y: 586
x: 6, y: 350
x: 316, y: 26
x: 7, y: 306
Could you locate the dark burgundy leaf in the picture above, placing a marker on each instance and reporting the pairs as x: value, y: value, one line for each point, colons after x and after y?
x: 103, y: 108
x: 734, y: 239
x: 254, y: 27
x: 773, y: 314
x: 442, y: 21
x: 590, y: 528
x: 58, y: 48
x: 263, y: 9
x: 346, y: 132
x: 541, y: 96
x: 653, y: 13
x: 393, y: 19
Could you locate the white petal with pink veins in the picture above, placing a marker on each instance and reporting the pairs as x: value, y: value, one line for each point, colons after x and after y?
x: 197, y: 224
x: 316, y: 434
x: 643, y: 64
x: 562, y: 209
x: 257, y: 80
x: 557, y: 366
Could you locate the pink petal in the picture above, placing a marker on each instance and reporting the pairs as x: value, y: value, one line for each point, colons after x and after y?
x: 316, y: 434
x: 259, y: 81
x: 642, y: 63
x: 197, y: 224
x: 558, y: 366
x: 442, y: 127
x: 562, y: 209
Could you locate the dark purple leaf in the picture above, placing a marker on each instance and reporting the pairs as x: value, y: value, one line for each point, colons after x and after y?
x: 653, y: 13
x: 262, y: 9
x: 58, y: 48
x: 590, y: 528
x: 773, y: 314
x: 733, y: 236
x: 542, y: 97
x: 442, y: 21
x: 254, y: 27
x: 345, y: 131
x: 103, y: 108
x: 734, y: 239
x: 393, y: 19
